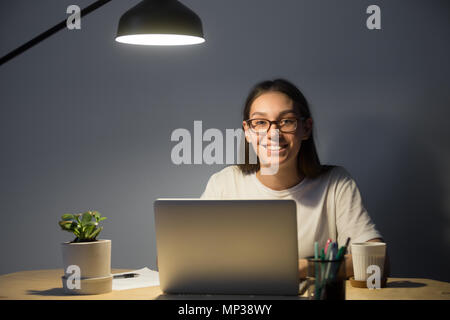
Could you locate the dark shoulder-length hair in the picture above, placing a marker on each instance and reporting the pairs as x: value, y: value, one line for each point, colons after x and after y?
x: 308, y: 160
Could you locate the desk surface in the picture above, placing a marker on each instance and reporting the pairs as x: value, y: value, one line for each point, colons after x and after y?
x: 46, y: 284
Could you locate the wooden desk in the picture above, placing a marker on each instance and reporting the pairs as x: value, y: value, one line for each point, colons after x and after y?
x: 46, y: 284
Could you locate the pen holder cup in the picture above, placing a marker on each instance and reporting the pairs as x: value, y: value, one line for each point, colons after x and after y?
x: 326, y: 279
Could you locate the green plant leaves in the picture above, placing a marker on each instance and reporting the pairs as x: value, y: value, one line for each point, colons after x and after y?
x: 67, y: 216
x: 86, y: 217
x: 95, y: 233
x: 96, y: 215
x: 82, y: 225
x: 67, y: 225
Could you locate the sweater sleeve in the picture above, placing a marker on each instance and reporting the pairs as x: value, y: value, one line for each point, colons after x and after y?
x: 211, y: 190
x: 352, y: 218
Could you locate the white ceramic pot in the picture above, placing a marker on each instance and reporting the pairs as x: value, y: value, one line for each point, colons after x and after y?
x: 94, y: 262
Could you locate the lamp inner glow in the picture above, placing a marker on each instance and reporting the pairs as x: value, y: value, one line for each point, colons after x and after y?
x: 160, y: 39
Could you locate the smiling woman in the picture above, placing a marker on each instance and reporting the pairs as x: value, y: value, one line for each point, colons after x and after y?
x: 278, y: 126
x: 281, y: 99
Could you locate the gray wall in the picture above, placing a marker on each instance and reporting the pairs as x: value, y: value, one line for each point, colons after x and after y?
x: 85, y: 122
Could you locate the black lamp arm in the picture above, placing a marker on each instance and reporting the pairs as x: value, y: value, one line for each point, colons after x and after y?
x: 49, y: 32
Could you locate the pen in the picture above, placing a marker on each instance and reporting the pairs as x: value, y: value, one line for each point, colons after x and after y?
x: 331, y: 252
x: 347, y: 242
x: 330, y: 256
x: 328, y: 252
x: 316, y: 269
x: 328, y: 243
x: 126, y: 275
x: 343, y: 249
x: 334, y: 250
x: 340, y: 256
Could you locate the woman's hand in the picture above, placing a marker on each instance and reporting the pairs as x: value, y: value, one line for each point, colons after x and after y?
x: 302, y: 268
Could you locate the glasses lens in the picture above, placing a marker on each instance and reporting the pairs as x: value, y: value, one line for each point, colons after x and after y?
x: 259, y: 125
x: 288, y: 125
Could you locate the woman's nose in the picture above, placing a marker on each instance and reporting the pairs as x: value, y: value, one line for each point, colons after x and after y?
x: 274, y: 132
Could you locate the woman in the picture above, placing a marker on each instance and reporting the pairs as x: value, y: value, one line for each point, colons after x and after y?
x: 278, y: 125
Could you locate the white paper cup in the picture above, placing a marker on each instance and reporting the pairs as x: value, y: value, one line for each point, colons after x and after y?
x: 365, y: 254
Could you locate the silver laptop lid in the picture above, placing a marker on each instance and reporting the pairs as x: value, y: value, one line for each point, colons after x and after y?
x: 227, y: 246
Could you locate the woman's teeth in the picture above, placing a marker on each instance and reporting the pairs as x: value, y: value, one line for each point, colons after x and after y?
x: 274, y: 148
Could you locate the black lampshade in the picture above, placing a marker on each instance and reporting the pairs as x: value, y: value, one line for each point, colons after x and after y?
x: 160, y: 22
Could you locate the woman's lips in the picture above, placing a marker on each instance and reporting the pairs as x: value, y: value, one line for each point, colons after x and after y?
x: 275, y: 148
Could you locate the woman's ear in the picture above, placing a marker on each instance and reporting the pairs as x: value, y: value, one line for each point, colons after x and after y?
x: 246, y: 132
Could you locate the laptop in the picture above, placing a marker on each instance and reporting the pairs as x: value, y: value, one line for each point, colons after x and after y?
x: 246, y: 247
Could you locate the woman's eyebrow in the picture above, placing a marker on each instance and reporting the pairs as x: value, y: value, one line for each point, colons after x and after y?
x: 258, y: 113
x: 287, y: 111
x: 280, y: 114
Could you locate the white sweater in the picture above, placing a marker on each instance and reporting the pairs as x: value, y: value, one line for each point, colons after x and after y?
x: 329, y: 206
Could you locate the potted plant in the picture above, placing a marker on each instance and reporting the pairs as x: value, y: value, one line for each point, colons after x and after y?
x: 86, y: 260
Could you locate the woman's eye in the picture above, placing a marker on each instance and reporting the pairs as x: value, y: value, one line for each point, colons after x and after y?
x: 260, y: 123
x: 287, y: 121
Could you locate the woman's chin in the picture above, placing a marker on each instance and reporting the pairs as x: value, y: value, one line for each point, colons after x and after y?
x: 273, y: 161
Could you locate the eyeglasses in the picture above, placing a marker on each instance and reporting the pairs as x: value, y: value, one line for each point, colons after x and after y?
x: 261, y: 126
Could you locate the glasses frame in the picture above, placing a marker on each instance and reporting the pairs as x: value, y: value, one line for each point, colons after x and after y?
x: 277, y: 122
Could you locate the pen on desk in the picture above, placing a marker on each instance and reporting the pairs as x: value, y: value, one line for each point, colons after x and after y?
x: 126, y: 275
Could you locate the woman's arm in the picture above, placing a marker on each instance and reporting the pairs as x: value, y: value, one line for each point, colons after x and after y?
x: 303, y: 264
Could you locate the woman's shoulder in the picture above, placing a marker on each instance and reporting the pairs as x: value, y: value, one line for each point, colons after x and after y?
x: 328, y: 171
x: 336, y: 173
x: 224, y: 182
